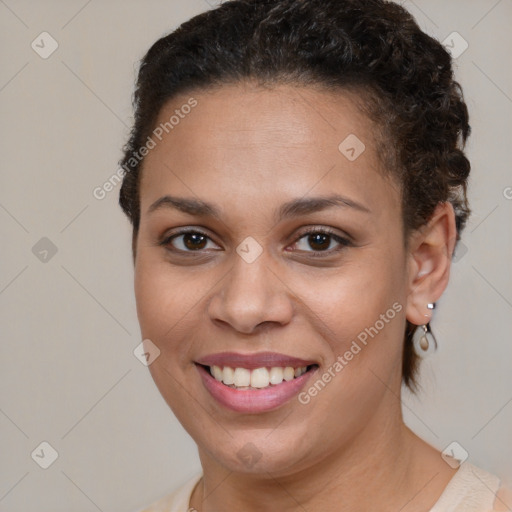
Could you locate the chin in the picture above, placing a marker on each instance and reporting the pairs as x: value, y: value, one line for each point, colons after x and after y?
x: 255, y: 452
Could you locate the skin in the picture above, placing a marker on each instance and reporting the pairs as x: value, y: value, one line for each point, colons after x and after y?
x: 248, y: 150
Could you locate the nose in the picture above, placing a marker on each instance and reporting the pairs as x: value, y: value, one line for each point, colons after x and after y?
x: 250, y: 295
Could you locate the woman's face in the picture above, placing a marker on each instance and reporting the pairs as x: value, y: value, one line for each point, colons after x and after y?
x: 274, y: 272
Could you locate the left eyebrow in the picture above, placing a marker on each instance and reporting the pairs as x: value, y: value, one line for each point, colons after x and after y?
x: 307, y: 205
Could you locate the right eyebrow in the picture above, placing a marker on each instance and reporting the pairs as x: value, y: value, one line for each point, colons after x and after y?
x: 196, y: 207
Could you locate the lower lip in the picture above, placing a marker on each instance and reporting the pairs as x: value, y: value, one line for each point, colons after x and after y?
x: 253, y: 401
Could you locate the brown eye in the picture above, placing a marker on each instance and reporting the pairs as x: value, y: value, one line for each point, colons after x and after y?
x: 187, y: 241
x: 194, y: 241
x: 321, y: 241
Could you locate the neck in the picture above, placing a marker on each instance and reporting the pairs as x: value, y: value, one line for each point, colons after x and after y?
x: 381, y: 465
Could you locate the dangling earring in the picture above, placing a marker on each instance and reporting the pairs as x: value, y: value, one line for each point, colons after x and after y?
x: 423, y: 339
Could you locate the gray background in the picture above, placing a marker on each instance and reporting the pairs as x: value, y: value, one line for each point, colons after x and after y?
x: 68, y: 373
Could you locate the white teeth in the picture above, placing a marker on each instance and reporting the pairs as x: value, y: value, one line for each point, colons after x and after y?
x: 299, y: 371
x: 228, y: 375
x: 217, y: 372
x: 276, y: 375
x: 242, y: 378
x: 260, y: 378
x: 289, y: 373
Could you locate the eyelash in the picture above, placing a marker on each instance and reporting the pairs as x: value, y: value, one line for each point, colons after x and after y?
x: 344, y: 242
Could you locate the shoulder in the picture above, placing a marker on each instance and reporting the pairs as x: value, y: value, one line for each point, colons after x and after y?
x: 471, y: 489
x: 176, y: 501
x: 503, y: 500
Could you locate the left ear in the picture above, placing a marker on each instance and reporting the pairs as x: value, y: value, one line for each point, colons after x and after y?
x: 429, y: 260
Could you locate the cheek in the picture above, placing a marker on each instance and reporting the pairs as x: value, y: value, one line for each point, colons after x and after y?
x: 163, y: 298
x: 361, y: 311
x: 353, y: 296
x: 150, y: 295
x: 362, y: 314
x: 164, y: 303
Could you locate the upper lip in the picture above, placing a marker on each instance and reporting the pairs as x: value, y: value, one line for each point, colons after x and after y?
x: 252, y: 361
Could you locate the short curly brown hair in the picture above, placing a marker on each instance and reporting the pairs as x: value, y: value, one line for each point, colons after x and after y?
x: 372, y: 47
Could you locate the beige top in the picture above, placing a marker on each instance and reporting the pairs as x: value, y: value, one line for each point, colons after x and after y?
x: 471, y: 489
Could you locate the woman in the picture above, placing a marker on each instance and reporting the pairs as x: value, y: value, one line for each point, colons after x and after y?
x: 296, y: 182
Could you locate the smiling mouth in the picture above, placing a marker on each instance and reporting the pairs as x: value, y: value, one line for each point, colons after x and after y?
x: 245, y: 379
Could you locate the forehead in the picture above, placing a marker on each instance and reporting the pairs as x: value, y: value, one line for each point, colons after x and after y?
x: 246, y: 144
